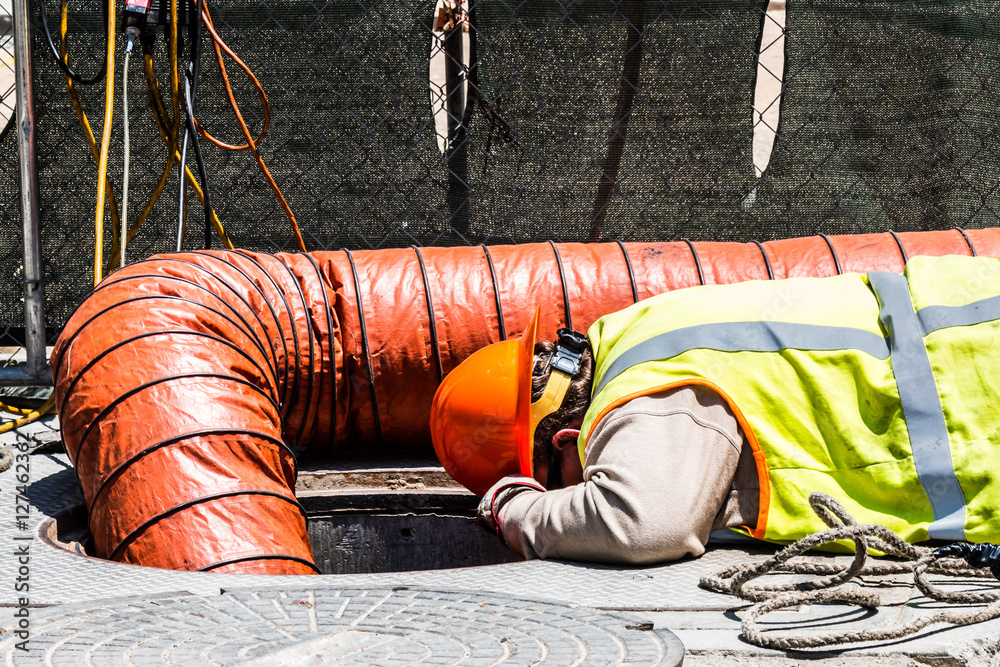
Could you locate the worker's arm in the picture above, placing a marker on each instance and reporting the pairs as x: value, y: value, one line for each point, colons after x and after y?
x: 657, y: 473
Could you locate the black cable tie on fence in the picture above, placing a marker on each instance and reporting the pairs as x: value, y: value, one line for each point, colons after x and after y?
x: 490, y: 114
x: 697, y: 261
x: 767, y: 261
x: 833, y: 253
x: 899, y: 244
x: 494, y: 120
x: 968, y: 241
x: 430, y: 314
x: 631, y: 274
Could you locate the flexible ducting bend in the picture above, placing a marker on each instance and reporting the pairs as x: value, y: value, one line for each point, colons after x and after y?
x: 185, y: 385
x: 188, y: 384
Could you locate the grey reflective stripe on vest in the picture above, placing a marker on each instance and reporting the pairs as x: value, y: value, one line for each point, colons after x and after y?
x: 933, y: 318
x: 758, y: 336
x: 921, y: 405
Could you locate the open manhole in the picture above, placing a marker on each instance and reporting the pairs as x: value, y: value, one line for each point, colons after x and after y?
x: 397, y: 531
x: 359, y: 524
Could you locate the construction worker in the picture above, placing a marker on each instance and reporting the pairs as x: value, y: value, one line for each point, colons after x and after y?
x: 725, y: 406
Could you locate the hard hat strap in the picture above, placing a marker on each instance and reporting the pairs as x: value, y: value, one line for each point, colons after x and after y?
x: 550, y: 401
x: 564, y: 363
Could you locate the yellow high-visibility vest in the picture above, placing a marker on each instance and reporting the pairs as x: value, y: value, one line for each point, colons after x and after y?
x: 880, y: 389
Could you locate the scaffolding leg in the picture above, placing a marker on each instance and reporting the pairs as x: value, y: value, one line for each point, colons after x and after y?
x: 36, y: 371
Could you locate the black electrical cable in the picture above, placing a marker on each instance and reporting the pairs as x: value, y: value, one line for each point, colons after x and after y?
x: 66, y: 69
x: 190, y: 92
x: 196, y: 57
x: 181, y: 197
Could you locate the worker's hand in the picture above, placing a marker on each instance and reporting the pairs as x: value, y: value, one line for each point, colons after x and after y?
x: 488, y: 513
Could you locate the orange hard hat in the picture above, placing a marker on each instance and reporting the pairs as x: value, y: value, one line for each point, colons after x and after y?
x: 481, y: 413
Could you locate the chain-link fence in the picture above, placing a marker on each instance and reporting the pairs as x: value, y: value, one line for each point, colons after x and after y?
x: 6, y: 66
x: 593, y: 119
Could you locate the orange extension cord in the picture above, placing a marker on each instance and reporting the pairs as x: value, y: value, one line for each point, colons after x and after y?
x: 251, y: 143
x: 216, y: 44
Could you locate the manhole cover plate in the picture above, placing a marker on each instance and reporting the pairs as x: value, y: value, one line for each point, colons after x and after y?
x: 343, y: 626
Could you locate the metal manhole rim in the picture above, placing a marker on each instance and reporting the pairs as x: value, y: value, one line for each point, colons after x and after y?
x: 49, y: 526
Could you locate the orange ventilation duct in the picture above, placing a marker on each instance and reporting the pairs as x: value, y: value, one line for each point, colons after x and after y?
x: 188, y: 384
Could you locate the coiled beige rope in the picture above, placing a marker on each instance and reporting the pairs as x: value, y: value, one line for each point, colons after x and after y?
x: 921, y: 561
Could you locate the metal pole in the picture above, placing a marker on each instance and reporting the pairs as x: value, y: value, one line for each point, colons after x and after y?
x: 36, y: 371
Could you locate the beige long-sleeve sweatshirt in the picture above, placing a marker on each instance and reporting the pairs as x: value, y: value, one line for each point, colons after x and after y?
x: 661, y: 472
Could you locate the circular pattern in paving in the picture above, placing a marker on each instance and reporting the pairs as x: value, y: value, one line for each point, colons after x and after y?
x: 343, y: 626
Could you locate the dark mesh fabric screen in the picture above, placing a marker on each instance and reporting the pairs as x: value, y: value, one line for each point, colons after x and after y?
x: 11, y: 286
x: 556, y: 74
x: 889, y: 119
x: 352, y: 144
x: 627, y: 120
